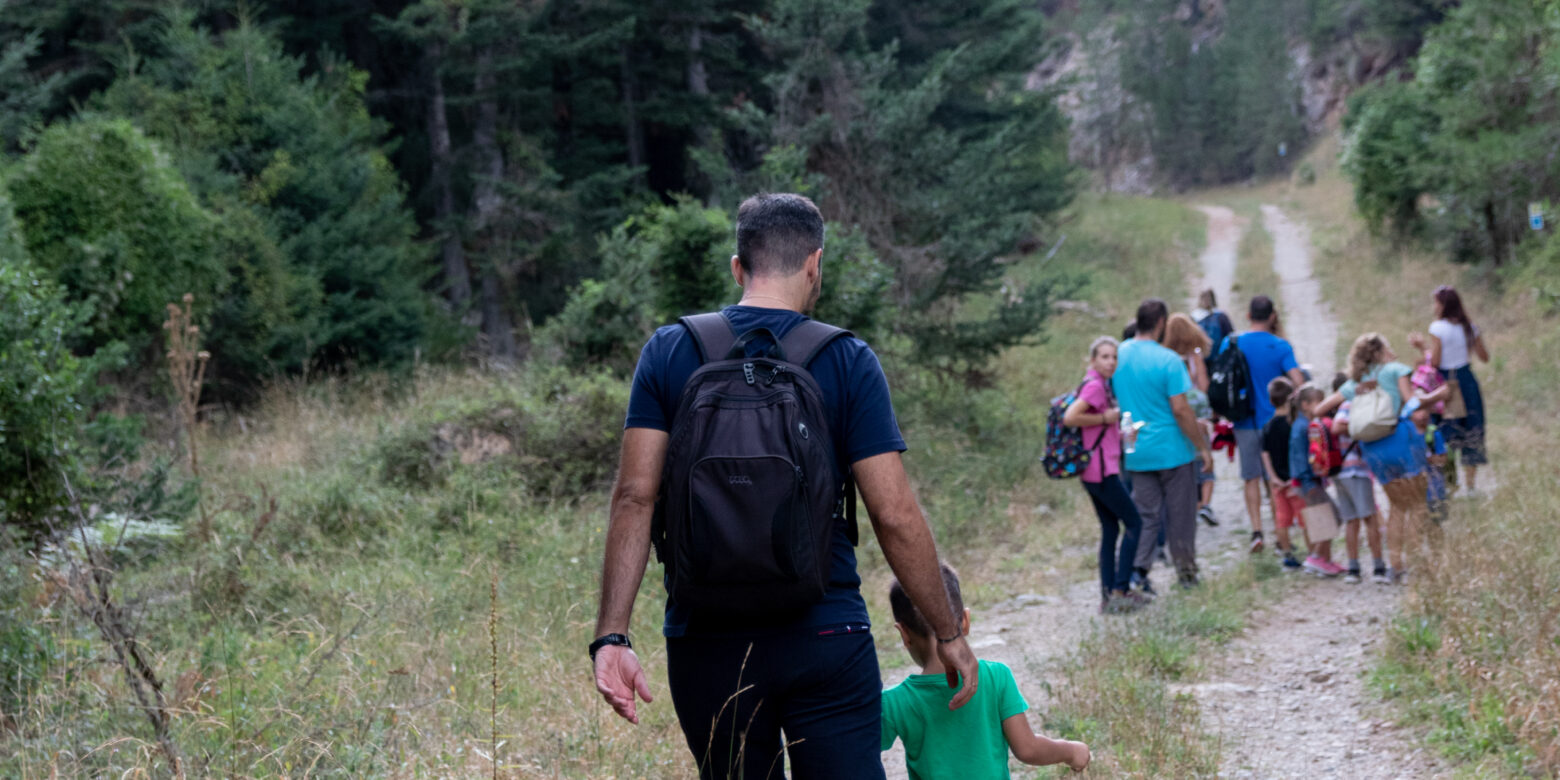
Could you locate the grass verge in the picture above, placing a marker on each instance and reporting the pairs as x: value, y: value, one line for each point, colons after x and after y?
x: 1127, y: 689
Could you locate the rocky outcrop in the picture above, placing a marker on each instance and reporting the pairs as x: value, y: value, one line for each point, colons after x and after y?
x: 1109, y: 125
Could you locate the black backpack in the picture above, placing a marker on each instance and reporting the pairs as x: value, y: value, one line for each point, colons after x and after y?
x: 749, y: 494
x: 1229, y: 384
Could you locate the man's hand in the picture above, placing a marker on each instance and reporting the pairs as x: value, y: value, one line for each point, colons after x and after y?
x: 619, y: 677
x: 1207, y: 459
x: 960, y: 662
x: 1278, y: 486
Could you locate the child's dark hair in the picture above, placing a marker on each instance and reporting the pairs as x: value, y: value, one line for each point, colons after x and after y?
x: 911, y: 618
x: 1279, y: 392
x: 1339, y: 380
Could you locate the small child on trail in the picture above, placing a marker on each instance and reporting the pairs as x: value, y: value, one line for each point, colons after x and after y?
x: 1354, y: 493
x: 1307, y: 483
x: 1287, y: 502
x: 1435, y: 450
x: 972, y: 741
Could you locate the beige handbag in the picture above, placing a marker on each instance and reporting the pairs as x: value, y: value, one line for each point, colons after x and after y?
x: 1321, y: 522
x: 1456, y: 408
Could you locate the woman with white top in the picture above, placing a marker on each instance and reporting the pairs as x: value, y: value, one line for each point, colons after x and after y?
x: 1452, y: 344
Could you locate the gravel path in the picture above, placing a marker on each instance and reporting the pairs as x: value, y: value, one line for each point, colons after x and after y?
x: 1289, y: 697
x: 1030, y: 632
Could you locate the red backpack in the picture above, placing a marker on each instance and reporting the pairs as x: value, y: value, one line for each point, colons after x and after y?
x: 1326, y: 457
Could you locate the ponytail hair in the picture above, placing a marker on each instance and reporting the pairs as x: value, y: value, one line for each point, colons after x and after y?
x: 1307, y: 393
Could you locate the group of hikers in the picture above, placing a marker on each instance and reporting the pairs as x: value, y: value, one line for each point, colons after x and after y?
x: 1188, y: 384
x: 750, y: 431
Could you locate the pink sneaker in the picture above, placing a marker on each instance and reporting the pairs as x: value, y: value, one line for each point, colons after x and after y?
x: 1322, y: 568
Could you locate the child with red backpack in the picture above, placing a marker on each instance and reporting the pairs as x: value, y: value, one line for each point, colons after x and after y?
x: 1308, y: 474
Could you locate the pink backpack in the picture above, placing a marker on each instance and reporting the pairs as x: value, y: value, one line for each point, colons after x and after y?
x: 1427, y: 379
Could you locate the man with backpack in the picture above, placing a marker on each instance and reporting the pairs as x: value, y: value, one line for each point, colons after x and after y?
x: 1266, y: 356
x: 744, y: 430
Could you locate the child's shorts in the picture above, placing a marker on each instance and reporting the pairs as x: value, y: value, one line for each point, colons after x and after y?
x: 1288, y: 507
x: 1355, y: 497
x: 1203, y: 475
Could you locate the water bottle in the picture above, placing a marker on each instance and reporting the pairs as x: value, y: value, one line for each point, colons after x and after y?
x: 1128, y: 433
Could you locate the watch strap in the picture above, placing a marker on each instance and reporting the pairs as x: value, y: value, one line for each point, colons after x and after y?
x: 620, y: 640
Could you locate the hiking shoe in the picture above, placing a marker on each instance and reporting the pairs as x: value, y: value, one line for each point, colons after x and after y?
x: 1206, y: 515
x: 1290, y: 564
x: 1380, y: 576
x: 1141, y: 583
x: 1123, y: 603
x: 1317, y: 566
x: 1187, y: 582
x: 1399, y: 577
x: 1353, y: 576
x: 1256, y: 542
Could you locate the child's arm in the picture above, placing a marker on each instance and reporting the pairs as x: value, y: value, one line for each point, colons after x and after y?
x: 1272, y: 476
x: 1038, y: 750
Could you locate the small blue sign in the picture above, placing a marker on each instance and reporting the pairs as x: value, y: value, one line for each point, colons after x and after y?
x: 1537, y: 221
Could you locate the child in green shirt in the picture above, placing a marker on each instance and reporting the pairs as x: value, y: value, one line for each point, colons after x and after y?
x: 973, y: 741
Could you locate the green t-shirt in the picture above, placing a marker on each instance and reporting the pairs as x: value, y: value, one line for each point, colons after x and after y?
x: 963, y: 743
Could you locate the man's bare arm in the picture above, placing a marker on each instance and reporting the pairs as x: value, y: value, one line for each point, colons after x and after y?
x: 907, y: 544
x: 618, y: 674
x: 1186, y: 420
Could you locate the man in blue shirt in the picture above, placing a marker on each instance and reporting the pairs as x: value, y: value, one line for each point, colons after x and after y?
x: 738, y: 684
x: 1268, y: 356
x: 1151, y: 383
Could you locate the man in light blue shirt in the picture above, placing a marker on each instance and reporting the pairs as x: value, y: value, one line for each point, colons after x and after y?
x: 1151, y: 383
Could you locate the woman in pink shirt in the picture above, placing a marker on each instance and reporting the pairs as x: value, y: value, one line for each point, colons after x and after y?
x: 1096, y: 415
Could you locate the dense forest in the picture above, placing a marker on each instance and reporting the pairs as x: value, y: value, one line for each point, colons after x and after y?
x: 203, y: 201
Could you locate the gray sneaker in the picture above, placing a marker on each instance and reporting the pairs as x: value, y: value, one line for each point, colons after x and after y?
x: 1380, y: 576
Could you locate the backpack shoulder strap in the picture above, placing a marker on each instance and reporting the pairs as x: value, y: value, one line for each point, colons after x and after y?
x: 803, y: 343
x: 712, y: 333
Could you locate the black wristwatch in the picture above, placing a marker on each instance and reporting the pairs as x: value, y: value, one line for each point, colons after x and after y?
x: 610, y: 639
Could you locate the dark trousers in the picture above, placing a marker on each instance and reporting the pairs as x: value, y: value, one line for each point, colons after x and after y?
x: 1175, y: 492
x: 734, y: 697
x: 1114, y: 507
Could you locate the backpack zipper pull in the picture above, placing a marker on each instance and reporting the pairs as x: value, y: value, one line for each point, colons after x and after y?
x: 747, y: 373
x: 778, y: 370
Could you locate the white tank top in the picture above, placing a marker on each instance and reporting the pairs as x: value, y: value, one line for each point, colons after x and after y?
x: 1454, y: 344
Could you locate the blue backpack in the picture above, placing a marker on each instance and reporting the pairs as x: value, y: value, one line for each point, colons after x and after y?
x: 1214, y: 327
x: 1066, y: 456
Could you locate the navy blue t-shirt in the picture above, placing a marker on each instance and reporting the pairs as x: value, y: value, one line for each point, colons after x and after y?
x: 861, y: 418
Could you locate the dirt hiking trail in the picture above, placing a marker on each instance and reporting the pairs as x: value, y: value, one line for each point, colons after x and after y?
x: 1032, y: 633
x: 1289, y: 696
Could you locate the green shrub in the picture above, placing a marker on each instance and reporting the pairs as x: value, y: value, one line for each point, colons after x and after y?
x: 105, y: 213
x: 41, y: 394
x: 669, y: 261
x: 554, y: 431
x: 321, y: 244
